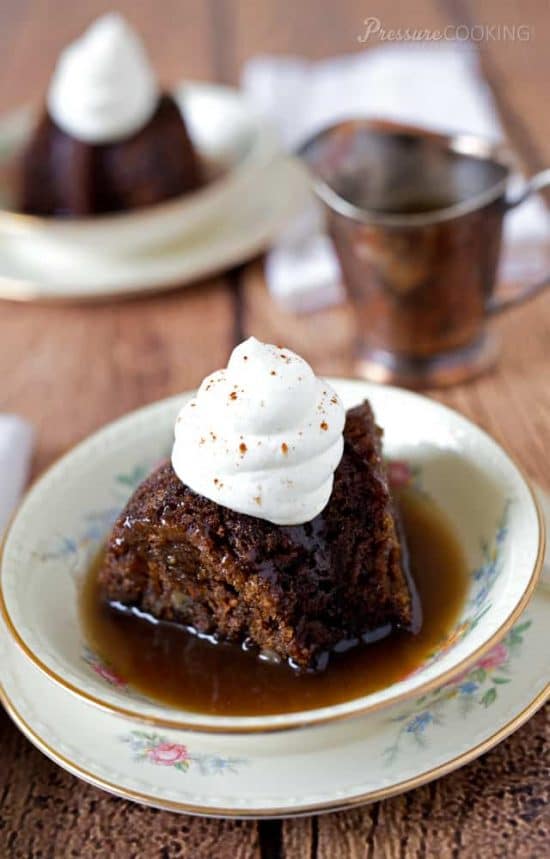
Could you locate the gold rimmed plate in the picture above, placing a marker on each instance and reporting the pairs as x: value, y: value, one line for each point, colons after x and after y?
x: 66, y: 518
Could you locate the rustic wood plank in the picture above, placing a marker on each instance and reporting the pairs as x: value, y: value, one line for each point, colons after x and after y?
x: 70, y: 369
x: 33, y: 32
x: 319, y: 28
x: 515, y: 62
x: 299, y: 838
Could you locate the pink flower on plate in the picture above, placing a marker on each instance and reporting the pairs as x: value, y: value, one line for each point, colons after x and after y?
x: 495, y: 658
x: 399, y: 473
x: 109, y: 675
x: 168, y: 754
x: 455, y: 681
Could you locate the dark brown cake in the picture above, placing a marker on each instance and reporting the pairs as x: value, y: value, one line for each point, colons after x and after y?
x: 294, y: 591
x: 64, y: 176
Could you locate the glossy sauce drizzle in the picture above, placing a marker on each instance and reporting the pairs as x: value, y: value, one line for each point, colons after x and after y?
x: 168, y: 664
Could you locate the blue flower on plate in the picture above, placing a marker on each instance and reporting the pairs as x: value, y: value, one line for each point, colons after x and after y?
x: 419, y: 723
x: 468, y: 688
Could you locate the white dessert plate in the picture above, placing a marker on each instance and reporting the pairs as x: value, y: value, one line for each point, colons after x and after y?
x: 235, y: 144
x: 279, y: 775
x: 66, y: 518
x: 31, y: 271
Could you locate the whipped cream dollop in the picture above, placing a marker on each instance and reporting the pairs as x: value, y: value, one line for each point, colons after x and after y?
x: 262, y: 437
x: 103, y: 88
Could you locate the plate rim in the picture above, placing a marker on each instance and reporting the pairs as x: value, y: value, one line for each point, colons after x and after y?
x: 290, y: 724
x: 324, y: 807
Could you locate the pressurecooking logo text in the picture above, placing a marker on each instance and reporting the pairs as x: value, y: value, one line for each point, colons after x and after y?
x: 374, y: 30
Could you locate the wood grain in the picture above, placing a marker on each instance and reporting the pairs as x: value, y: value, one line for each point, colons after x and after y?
x: 70, y: 369
x: 517, y: 67
x: 32, y: 33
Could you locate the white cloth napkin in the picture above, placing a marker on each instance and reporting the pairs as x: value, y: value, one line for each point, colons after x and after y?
x: 438, y: 86
x: 16, y: 446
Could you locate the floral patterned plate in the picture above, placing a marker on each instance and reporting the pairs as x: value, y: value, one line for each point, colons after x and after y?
x: 316, y: 769
x: 67, y: 515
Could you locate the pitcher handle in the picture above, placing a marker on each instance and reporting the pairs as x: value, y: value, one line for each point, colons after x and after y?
x: 500, y: 303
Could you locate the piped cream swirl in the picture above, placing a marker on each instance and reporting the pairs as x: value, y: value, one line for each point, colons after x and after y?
x: 103, y: 88
x: 262, y: 437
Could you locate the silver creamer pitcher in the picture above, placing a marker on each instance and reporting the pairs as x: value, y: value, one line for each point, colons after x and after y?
x: 416, y: 219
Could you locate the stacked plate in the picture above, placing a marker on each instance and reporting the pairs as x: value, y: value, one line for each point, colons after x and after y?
x: 486, y: 677
x: 254, y: 189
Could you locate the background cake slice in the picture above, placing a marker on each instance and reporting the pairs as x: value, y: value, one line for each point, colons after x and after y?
x: 61, y: 175
x: 295, y: 591
x: 109, y: 138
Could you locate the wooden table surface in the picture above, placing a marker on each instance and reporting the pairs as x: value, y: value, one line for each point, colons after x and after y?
x: 71, y: 369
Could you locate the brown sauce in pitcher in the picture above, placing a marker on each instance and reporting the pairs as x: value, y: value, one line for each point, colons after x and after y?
x: 171, y: 665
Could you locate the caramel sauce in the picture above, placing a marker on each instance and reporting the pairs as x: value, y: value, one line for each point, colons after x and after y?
x: 168, y: 664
